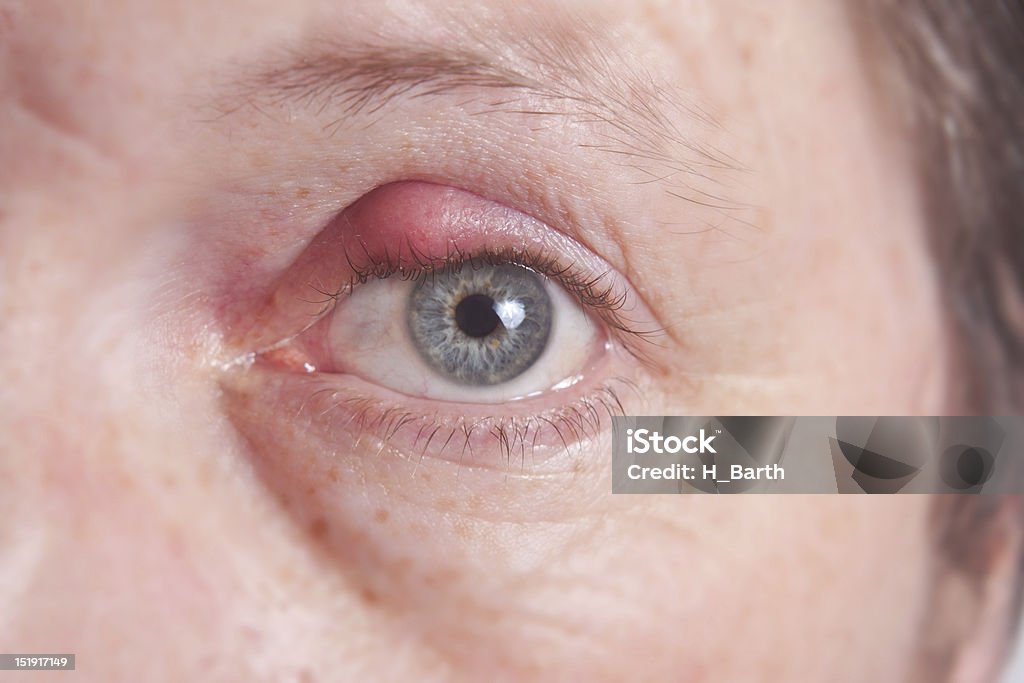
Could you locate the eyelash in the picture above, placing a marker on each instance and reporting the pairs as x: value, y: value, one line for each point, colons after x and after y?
x: 571, y: 424
x: 594, y: 292
x: 515, y: 435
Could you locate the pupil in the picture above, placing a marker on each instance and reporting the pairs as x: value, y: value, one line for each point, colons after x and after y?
x: 475, y: 315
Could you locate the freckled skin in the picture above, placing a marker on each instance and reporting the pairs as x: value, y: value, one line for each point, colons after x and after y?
x: 147, y: 519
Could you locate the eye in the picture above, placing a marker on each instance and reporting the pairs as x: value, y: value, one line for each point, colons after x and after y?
x: 441, y: 323
x: 471, y: 331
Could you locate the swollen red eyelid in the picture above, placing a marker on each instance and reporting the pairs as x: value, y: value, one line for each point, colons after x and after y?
x: 402, y: 224
x: 411, y: 221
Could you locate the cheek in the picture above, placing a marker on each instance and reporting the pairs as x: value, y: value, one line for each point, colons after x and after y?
x: 755, y: 588
x: 101, y: 543
x: 449, y: 556
x: 548, y: 576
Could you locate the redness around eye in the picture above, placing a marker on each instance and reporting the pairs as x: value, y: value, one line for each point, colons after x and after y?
x: 398, y: 228
x: 414, y: 221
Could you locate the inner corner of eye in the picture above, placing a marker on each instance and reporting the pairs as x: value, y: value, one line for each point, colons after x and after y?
x: 485, y: 334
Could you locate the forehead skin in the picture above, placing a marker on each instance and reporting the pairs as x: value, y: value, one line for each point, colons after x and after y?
x: 135, y: 533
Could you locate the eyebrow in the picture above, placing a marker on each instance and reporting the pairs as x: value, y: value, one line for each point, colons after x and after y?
x: 560, y: 70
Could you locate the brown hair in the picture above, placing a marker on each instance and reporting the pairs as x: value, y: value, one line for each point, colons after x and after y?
x: 961, y: 93
x: 951, y: 74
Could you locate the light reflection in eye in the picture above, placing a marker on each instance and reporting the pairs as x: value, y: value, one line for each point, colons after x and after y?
x: 511, y: 313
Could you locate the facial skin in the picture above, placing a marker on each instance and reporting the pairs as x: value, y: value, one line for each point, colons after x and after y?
x: 172, y: 511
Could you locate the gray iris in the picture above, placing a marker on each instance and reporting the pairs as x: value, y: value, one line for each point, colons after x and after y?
x: 480, y: 324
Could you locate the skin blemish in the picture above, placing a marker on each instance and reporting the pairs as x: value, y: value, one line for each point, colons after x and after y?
x: 369, y: 596
x: 746, y: 54
x: 319, y: 528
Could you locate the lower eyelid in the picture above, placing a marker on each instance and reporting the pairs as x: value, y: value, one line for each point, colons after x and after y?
x: 338, y: 410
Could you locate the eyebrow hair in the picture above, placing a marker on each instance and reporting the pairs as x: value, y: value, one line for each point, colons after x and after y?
x: 551, y: 71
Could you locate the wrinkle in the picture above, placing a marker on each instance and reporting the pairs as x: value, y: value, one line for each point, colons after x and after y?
x: 42, y: 128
